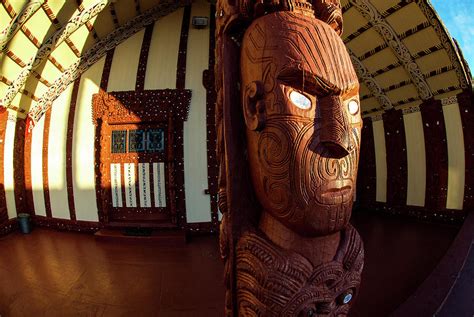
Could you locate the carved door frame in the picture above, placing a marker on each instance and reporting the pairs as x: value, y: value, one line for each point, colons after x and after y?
x: 166, y: 107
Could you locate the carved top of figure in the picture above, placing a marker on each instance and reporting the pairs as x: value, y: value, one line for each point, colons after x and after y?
x: 301, y: 108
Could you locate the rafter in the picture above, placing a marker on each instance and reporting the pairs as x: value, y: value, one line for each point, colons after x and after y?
x: 368, y: 10
x: 16, y: 23
x: 370, y: 82
x: 384, y: 14
x: 57, y: 38
x: 97, y: 51
x: 52, y: 17
x: 446, y: 40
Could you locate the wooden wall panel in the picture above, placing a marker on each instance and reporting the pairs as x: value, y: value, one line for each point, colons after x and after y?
x: 57, y: 155
x: 195, y: 152
x: 396, y: 158
x: 3, y: 200
x: 83, y: 164
x: 380, y: 161
x: 466, y: 108
x: 456, y: 163
x: 436, y: 155
x: 366, y: 179
x: 416, y: 159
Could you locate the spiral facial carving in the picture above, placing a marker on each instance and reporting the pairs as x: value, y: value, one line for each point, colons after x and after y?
x: 304, y: 159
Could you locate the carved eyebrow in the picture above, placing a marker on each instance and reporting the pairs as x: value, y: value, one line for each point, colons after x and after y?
x: 306, y: 81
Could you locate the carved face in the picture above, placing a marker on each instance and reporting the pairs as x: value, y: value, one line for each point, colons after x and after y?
x: 301, y: 108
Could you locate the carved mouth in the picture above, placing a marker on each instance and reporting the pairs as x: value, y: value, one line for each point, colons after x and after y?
x: 335, y: 192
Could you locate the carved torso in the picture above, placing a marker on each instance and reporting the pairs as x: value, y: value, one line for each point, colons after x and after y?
x: 276, y: 282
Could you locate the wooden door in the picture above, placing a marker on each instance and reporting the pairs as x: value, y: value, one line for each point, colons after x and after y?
x: 138, y: 171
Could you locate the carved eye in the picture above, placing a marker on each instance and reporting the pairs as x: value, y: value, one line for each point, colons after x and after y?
x: 346, y: 297
x: 353, y: 107
x: 300, y: 100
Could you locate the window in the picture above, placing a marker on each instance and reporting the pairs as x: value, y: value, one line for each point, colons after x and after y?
x: 119, y: 141
x: 141, y: 140
x: 155, y: 140
x: 136, y: 141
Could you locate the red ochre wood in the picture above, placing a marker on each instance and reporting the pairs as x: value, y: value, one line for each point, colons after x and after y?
x: 3, y: 200
x: 436, y: 149
x: 395, y: 143
x: 366, y: 179
x: 19, y: 167
x: 69, y: 153
x: 287, y: 189
x: 47, y: 199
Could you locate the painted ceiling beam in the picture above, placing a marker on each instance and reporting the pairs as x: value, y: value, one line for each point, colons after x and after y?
x: 15, y: 24
x: 99, y: 50
x: 446, y: 40
x: 374, y: 88
x: 47, y: 47
x: 370, y: 12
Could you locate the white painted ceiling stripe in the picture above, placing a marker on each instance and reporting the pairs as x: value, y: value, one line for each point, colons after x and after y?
x: 368, y: 10
x: 16, y: 23
x: 99, y: 49
x: 45, y: 50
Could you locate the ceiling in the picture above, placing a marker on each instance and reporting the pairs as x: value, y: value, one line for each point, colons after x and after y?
x: 400, y: 49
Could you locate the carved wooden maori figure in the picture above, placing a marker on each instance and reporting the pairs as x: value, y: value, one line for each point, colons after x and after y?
x: 289, y: 147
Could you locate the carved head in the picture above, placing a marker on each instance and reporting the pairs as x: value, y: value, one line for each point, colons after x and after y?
x: 301, y: 108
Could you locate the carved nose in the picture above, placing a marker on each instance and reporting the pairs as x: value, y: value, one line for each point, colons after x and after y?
x: 334, y: 133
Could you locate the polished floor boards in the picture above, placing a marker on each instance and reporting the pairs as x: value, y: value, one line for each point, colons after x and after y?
x: 49, y: 273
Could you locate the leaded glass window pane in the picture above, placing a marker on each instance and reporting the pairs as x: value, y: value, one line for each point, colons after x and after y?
x: 136, y: 140
x: 155, y: 140
x: 119, y: 141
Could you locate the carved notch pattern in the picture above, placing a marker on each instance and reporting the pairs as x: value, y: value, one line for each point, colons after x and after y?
x: 369, y: 12
x: 445, y: 40
x: 370, y: 81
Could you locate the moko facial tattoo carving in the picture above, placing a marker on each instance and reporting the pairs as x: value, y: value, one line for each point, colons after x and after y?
x: 295, y: 253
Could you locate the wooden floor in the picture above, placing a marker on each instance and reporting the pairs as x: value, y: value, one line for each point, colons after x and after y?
x: 49, y: 273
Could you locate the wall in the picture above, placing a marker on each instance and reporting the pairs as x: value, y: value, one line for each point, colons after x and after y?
x: 60, y: 151
x: 421, y: 161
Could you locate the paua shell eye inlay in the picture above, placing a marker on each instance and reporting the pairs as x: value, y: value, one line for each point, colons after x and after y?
x: 353, y: 107
x: 300, y: 100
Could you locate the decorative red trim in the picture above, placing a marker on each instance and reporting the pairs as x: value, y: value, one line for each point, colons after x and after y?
x: 366, y: 178
x: 183, y: 46
x: 466, y: 108
x: 69, y: 155
x: 201, y: 227
x: 104, y: 82
x: 141, y: 72
x: 211, y: 95
x: 30, y: 205
x: 445, y: 216
x: 8, y: 227
x: 19, y: 167
x: 66, y: 225
x: 47, y: 199
x: 397, y: 167
x: 436, y: 155
x: 3, y: 199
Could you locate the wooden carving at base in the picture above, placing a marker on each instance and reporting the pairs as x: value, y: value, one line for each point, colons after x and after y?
x: 289, y: 127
